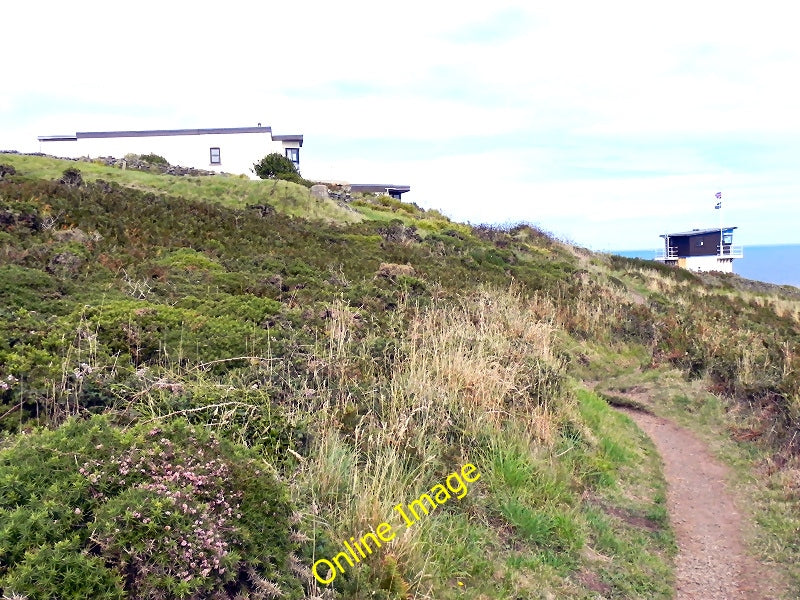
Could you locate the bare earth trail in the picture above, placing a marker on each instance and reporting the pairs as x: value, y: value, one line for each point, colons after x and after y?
x: 712, y: 563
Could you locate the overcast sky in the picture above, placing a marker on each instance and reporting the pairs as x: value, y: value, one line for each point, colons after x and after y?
x: 606, y: 123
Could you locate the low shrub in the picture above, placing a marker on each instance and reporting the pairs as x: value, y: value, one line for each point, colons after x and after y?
x: 93, y: 511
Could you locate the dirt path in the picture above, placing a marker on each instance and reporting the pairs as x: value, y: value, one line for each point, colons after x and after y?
x: 711, y: 563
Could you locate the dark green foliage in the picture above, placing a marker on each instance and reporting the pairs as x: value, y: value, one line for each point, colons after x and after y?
x: 275, y: 166
x: 63, y: 572
x: 89, y: 508
x: 72, y: 177
x: 28, y: 288
x: 278, y: 166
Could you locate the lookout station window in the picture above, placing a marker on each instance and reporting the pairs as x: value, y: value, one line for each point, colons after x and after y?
x: 215, y: 156
x: 727, y: 238
x: 293, y: 154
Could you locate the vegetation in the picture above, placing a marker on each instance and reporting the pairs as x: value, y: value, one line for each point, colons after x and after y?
x: 154, y: 159
x: 308, y: 365
x: 92, y: 511
x: 278, y: 166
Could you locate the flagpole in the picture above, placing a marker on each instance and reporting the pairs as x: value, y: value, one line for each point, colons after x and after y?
x: 721, y: 249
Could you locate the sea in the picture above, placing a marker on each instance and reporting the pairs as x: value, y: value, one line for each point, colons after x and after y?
x: 771, y: 263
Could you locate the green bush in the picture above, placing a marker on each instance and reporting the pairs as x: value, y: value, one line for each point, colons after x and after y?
x: 161, y: 511
x: 189, y: 259
x: 63, y: 571
x: 141, y: 331
x: 275, y: 166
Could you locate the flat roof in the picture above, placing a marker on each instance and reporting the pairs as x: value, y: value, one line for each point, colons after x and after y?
x: 699, y: 232
x: 288, y: 138
x: 169, y: 132
x: 378, y: 187
x: 58, y: 138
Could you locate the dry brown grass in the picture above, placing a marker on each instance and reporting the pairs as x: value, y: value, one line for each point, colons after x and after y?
x: 464, y: 372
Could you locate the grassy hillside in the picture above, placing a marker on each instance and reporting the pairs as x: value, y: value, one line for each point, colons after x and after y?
x: 192, y: 331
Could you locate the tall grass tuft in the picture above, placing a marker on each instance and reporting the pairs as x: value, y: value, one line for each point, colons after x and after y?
x: 387, y: 427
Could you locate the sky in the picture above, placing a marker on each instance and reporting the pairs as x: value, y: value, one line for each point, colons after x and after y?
x: 606, y: 124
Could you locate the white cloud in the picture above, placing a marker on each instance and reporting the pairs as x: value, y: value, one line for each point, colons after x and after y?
x: 558, y: 96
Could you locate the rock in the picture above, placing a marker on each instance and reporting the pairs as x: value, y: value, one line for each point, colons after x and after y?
x: 397, y: 232
x: 264, y: 209
x: 392, y: 270
x: 7, y: 170
x: 319, y: 191
x: 65, y: 264
x: 77, y: 235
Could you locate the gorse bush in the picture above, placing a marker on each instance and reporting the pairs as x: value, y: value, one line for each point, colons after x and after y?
x: 90, y: 510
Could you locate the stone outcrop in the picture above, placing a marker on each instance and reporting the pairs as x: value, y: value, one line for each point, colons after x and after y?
x: 320, y: 191
x: 393, y: 270
x: 137, y: 164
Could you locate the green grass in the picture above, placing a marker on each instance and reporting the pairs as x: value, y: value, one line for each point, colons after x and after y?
x: 231, y: 191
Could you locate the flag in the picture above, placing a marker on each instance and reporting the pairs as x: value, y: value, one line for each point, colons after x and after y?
x: 718, y: 195
x: 718, y: 205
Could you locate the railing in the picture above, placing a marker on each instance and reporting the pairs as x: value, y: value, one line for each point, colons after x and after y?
x: 723, y: 251
x: 730, y: 251
x: 667, y: 254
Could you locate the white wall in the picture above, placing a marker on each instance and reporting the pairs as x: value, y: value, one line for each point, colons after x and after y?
x: 238, y: 151
x: 709, y: 263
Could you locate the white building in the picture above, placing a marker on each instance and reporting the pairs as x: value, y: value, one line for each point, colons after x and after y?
x: 229, y: 150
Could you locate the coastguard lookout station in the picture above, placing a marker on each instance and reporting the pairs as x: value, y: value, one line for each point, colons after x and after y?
x: 700, y: 249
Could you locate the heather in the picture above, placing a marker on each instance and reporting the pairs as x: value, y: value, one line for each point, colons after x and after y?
x: 91, y: 509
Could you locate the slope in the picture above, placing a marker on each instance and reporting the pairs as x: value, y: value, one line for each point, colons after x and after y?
x: 363, y: 362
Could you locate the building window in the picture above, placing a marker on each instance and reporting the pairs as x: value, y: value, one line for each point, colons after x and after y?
x: 293, y: 154
x: 215, y: 156
x: 727, y: 238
